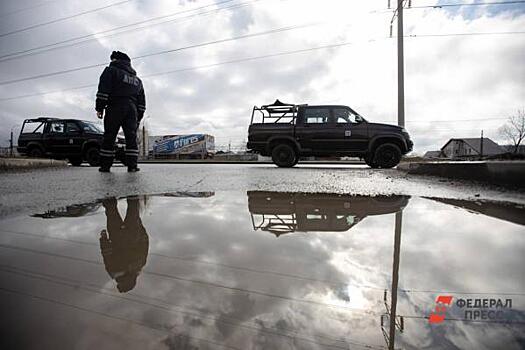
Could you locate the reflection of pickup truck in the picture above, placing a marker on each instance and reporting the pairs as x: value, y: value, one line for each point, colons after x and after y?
x: 281, y: 212
x: 286, y: 132
x: 71, y: 139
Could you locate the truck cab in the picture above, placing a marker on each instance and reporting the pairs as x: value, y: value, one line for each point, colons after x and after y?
x: 71, y: 139
x: 287, y: 132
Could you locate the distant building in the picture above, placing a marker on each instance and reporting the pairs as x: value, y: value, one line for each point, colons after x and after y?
x: 181, y: 146
x: 470, y: 147
x: 432, y: 154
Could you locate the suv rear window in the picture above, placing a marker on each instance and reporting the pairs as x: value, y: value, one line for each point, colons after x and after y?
x: 33, y: 128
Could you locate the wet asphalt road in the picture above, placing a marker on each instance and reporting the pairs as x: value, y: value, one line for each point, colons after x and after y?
x: 37, y: 190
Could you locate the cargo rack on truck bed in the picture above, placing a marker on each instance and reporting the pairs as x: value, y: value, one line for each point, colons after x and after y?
x: 278, y: 112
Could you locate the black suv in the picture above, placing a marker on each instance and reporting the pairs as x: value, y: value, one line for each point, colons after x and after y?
x: 71, y: 139
x: 286, y: 132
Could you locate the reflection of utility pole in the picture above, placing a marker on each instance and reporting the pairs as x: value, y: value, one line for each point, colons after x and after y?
x: 391, y: 311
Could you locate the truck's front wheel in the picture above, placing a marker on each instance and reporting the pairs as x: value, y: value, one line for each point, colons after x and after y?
x: 387, y: 155
x: 284, y: 156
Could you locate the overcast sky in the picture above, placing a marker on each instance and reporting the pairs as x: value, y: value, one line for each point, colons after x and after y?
x: 476, y: 80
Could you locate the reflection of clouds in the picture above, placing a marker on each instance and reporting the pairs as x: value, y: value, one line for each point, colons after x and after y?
x: 441, y: 249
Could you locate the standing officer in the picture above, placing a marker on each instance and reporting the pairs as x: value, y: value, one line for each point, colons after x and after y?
x: 121, y: 94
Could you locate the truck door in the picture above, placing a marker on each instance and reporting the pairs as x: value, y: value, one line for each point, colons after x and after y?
x: 74, y: 138
x: 316, y: 131
x: 352, y: 134
x: 63, y: 137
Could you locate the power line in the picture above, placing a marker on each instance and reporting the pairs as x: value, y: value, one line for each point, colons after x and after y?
x: 44, y: 3
x: 455, y: 120
x: 247, y: 59
x: 100, y: 313
x: 467, y: 4
x: 335, y: 283
x: 163, y: 52
x: 197, y: 261
x: 221, y: 63
x: 166, y: 276
x: 93, y: 288
x: 95, y: 36
x: 63, y: 18
x: 462, y: 34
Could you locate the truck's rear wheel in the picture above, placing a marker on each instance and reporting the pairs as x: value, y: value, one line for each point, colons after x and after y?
x: 284, y: 156
x: 75, y: 161
x: 35, y: 152
x: 387, y: 155
x: 93, y: 156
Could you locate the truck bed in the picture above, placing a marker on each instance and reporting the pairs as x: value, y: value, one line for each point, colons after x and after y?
x: 259, y: 134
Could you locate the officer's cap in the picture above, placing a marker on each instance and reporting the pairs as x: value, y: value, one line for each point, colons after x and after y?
x: 117, y: 55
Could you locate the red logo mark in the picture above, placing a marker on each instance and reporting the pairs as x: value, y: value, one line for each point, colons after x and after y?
x: 438, y: 315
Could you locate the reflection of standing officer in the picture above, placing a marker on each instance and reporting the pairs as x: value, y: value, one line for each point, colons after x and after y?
x: 125, y: 249
x: 121, y: 94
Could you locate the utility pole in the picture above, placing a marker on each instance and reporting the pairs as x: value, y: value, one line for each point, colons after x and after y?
x: 144, y: 154
x: 11, y: 144
x: 481, y: 146
x: 400, y: 67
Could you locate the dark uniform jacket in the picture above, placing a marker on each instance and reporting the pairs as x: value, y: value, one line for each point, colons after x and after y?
x: 119, y: 84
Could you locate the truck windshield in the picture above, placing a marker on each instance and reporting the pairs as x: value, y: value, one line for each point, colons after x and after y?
x: 94, y: 128
x: 33, y: 127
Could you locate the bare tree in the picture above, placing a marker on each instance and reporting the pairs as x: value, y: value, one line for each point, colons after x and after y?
x: 514, y: 129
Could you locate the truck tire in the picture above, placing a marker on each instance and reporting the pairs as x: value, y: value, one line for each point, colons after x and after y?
x: 93, y: 156
x: 75, y: 161
x: 284, y: 155
x: 35, y: 152
x: 387, y: 156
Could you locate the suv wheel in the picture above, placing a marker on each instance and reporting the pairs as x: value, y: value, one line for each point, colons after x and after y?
x: 93, y: 156
x: 35, y: 152
x: 284, y: 155
x: 75, y: 161
x: 387, y: 155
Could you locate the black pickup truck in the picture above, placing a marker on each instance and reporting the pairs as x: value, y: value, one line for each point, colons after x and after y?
x: 71, y: 139
x: 287, y: 132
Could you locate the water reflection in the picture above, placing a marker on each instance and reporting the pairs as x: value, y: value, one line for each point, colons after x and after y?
x: 212, y: 277
x: 281, y: 212
x: 124, y: 244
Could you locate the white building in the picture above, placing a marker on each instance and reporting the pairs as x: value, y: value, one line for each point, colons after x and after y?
x: 471, y: 147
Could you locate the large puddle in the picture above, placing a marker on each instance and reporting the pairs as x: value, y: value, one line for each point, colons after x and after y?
x: 265, y: 270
